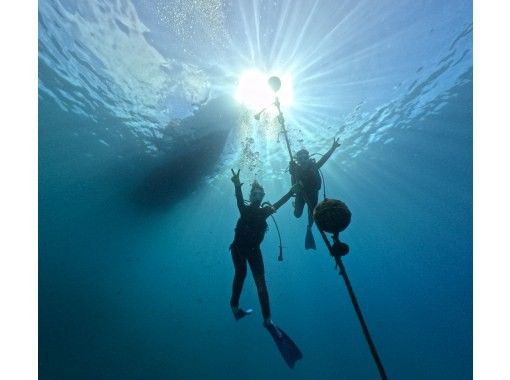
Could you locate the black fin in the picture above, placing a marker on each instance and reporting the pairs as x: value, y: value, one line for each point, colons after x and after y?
x: 288, y: 349
x: 309, y: 240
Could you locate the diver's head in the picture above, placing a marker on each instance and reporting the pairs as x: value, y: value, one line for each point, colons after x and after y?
x: 302, y: 156
x: 256, y: 193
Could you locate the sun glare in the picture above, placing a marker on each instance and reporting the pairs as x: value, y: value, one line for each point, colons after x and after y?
x: 254, y: 92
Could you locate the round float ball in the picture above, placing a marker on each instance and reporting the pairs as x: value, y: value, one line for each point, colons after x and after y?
x: 275, y: 83
x: 332, y: 215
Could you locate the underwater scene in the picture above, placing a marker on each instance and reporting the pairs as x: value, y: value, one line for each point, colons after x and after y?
x: 255, y: 189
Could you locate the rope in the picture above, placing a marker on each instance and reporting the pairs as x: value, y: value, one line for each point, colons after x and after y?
x: 282, y: 124
x: 357, y: 308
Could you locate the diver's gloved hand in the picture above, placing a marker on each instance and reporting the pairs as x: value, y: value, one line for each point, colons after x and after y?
x: 297, y: 187
x: 235, y: 178
x: 336, y: 144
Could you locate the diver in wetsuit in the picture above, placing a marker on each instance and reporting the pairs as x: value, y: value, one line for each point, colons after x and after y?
x: 306, y: 170
x: 249, y: 233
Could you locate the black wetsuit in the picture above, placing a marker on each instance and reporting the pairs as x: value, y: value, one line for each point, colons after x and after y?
x: 309, y: 176
x: 249, y: 233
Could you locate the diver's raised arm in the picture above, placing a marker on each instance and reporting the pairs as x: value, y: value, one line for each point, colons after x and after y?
x: 237, y: 184
x: 328, y: 154
x: 295, y: 188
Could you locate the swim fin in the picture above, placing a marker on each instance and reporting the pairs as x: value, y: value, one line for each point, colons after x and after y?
x: 288, y: 349
x: 309, y: 240
x: 240, y: 313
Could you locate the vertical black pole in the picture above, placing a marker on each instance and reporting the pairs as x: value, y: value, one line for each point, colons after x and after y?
x: 282, y: 124
x: 354, y: 301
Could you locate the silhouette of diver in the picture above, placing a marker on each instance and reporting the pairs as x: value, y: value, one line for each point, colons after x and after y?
x: 249, y: 233
x: 306, y: 171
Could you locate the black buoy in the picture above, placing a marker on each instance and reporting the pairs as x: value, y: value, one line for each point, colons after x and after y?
x: 332, y: 215
x: 275, y: 83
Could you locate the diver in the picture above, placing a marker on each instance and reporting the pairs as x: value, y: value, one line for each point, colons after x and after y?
x: 306, y: 171
x: 249, y: 233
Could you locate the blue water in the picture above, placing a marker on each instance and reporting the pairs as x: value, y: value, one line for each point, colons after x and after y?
x: 138, y: 131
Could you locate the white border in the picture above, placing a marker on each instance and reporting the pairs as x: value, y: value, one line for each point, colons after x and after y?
x: 491, y: 191
x: 18, y: 197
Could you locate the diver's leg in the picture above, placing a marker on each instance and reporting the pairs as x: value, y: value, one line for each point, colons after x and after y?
x: 312, y: 200
x: 299, y: 204
x: 257, y: 269
x: 239, y: 276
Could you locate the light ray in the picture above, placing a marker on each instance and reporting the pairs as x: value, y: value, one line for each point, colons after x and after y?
x: 256, y: 18
x: 304, y: 29
x: 340, y: 23
x: 281, y: 21
x: 246, y: 30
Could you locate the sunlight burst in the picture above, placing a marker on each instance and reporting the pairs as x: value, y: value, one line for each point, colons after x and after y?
x: 254, y: 92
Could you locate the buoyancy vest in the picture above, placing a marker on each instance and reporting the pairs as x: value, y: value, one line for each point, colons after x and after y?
x: 251, y: 226
x: 309, y: 175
